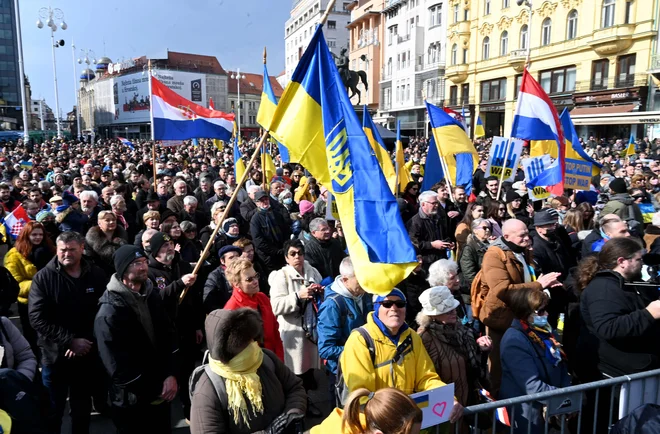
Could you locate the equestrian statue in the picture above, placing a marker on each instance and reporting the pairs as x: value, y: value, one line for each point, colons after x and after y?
x: 348, y: 77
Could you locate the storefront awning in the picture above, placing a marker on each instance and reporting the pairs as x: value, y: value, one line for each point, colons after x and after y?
x: 613, y: 115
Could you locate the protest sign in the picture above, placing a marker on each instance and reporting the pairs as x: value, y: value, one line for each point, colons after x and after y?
x: 331, y: 211
x: 436, y: 404
x: 496, y: 158
x: 532, y: 167
x: 578, y: 174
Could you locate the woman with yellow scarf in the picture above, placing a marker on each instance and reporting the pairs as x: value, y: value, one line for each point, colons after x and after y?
x: 260, y: 393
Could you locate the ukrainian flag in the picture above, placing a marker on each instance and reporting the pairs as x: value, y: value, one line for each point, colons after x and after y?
x: 379, y: 148
x: 631, y: 146
x: 404, y: 172
x: 479, y: 128
x: 574, y: 150
x: 316, y: 121
x: 268, y: 165
x: 454, y: 146
x: 239, y: 164
x: 433, y: 169
x: 266, y: 111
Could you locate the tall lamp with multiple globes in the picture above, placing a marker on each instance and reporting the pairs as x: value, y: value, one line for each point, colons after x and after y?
x: 238, y: 77
x: 51, y: 16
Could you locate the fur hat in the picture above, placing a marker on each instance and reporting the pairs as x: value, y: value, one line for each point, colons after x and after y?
x: 228, y: 332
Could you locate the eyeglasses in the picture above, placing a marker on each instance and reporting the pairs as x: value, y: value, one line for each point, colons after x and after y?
x: 251, y: 279
x: 502, y: 209
x: 541, y: 311
x: 296, y: 253
x: 387, y: 304
x: 484, y: 228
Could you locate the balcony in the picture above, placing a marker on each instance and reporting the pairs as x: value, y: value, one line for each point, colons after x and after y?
x: 386, y: 75
x: 517, y: 59
x: 622, y: 81
x: 430, y: 66
x: 654, y: 69
x: 457, y: 73
x: 403, y: 38
x: 612, y: 40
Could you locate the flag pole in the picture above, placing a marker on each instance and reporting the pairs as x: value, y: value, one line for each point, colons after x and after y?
x: 226, y: 212
x: 151, y: 116
x: 506, y: 155
x: 325, y: 16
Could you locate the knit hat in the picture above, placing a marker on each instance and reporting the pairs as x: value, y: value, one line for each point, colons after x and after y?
x: 226, y: 249
x: 227, y: 223
x: 228, y: 332
x: 157, y: 241
x: 124, y: 256
x: 166, y: 214
x: 437, y: 300
x: 305, y: 207
x: 511, y: 195
x: 378, y: 298
x: 42, y: 215
x: 279, y: 171
x: 618, y: 185
x: 68, y: 199
x: 283, y: 195
x: 152, y: 197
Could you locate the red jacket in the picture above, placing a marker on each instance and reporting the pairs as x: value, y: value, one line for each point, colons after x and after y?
x: 261, y: 303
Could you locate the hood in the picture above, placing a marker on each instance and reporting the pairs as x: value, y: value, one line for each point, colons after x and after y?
x: 500, y: 243
x: 474, y: 242
x: 624, y: 198
x: 338, y: 287
x: 115, y: 287
x: 228, y: 332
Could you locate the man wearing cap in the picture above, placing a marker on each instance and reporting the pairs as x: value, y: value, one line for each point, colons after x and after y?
x: 137, y: 346
x: 61, y: 305
x: 269, y: 230
x: 170, y: 276
x: 623, y: 205
x: 55, y: 201
x: 153, y: 204
x: 217, y: 290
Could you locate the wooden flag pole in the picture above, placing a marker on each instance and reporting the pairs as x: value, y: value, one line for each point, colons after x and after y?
x: 225, y: 213
x: 325, y: 16
x: 153, y: 162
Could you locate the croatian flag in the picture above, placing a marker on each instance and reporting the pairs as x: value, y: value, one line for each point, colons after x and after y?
x: 176, y: 118
x: 456, y: 115
x: 15, y: 221
x: 126, y: 142
x: 537, y: 119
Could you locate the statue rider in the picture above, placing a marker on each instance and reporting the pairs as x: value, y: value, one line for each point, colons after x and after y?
x: 341, y: 62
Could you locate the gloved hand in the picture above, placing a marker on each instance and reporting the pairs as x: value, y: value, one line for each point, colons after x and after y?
x: 282, y: 421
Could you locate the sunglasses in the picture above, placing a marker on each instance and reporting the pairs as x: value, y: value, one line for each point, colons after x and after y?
x: 485, y: 228
x: 297, y: 253
x: 387, y: 304
x: 541, y: 311
x: 252, y: 278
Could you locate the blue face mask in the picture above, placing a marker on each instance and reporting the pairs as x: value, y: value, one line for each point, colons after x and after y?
x: 540, y: 320
x: 288, y: 201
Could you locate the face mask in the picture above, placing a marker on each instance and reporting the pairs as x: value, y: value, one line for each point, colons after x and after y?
x: 550, y: 232
x: 288, y: 201
x: 540, y: 321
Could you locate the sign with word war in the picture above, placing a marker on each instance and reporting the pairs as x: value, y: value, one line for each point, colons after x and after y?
x: 532, y: 167
x: 436, y: 404
x: 497, y: 161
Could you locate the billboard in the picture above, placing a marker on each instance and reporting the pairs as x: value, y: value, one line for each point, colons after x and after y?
x: 130, y: 93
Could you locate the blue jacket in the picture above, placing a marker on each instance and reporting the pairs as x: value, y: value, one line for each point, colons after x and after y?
x: 525, y: 371
x: 338, y: 316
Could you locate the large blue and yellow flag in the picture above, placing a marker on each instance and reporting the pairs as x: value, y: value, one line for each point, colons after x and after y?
x: 316, y: 121
x: 239, y: 164
x: 377, y: 144
x: 580, y: 167
x: 266, y: 111
x: 403, y: 173
x: 268, y: 165
x: 454, y: 147
x: 433, y: 171
x: 630, y: 150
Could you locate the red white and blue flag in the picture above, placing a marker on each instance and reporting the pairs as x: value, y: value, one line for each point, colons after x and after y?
x: 176, y: 118
x: 457, y: 116
x: 536, y: 119
x: 126, y: 142
x: 15, y: 221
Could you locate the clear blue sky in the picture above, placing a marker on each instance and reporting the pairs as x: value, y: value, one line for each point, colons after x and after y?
x: 235, y: 31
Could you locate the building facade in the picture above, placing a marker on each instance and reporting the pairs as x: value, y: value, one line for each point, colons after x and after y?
x: 251, y: 86
x: 10, y: 84
x: 592, y: 57
x: 300, y: 27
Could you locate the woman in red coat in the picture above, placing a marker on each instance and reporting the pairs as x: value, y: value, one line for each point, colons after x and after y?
x: 245, y: 293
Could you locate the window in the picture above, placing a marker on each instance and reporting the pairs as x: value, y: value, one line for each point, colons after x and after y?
x: 486, y: 7
x: 435, y: 15
x: 398, y: 62
x: 493, y: 90
x: 485, y: 48
x: 332, y: 43
x: 558, y: 80
x: 434, y: 53
x: 453, y: 95
x: 408, y: 93
x: 506, y: 4
x: 454, y: 54
x: 465, y: 56
x: 607, y: 14
x: 456, y: 13
x: 389, y: 66
x: 571, y: 25
x: 332, y: 25
x: 625, y: 71
x: 546, y: 30
x: 524, y: 37
x: 599, y: 74
x: 516, y: 90
x: 504, y: 43
x: 391, y: 34
x: 628, y: 15
x: 465, y: 94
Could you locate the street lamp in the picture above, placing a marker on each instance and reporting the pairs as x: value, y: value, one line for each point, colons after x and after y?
x: 238, y: 77
x: 86, y: 54
x: 21, y: 71
x: 528, y: 3
x: 52, y: 15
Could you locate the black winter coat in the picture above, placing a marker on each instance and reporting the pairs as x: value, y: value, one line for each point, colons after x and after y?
x: 268, y: 243
x: 220, y: 241
x: 324, y: 256
x: 470, y: 261
x: 217, y: 291
x: 62, y: 308
x: 593, y: 236
x: 135, y: 366
x: 618, y: 333
x: 423, y: 230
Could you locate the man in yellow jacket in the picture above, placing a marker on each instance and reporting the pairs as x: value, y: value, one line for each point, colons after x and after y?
x: 401, y: 361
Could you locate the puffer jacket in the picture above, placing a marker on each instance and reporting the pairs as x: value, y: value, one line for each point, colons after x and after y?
x: 415, y: 373
x: 282, y: 390
x: 501, y: 273
x: 23, y: 271
x: 625, y: 207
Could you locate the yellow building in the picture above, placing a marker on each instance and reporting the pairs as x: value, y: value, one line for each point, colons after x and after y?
x: 591, y: 56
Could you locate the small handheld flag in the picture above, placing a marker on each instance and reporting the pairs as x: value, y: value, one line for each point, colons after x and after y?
x: 126, y: 142
x: 479, y: 129
x: 631, y: 146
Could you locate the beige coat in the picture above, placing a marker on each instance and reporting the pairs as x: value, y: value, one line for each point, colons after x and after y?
x: 300, y: 354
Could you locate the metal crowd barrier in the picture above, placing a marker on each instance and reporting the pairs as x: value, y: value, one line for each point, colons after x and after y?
x: 620, y: 395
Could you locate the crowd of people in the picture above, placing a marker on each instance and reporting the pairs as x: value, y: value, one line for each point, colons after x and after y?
x: 117, y: 301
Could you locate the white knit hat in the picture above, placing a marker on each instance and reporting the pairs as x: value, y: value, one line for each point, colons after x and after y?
x: 437, y: 300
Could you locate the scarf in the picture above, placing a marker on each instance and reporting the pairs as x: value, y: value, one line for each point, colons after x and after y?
x: 241, y: 381
x: 544, y: 338
x: 464, y: 342
x: 137, y: 302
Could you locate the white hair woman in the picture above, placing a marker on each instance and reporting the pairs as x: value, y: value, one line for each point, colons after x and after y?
x: 444, y: 272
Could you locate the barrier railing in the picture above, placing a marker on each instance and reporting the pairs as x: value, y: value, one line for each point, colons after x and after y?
x: 567, y: 405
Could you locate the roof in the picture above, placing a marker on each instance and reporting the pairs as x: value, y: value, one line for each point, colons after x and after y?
x: 193, y: 62
x: 253, y: 84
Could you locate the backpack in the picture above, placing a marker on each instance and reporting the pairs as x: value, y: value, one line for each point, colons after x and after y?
x: 341, y: 390
x: 8, y: 287
x: 477, y: 293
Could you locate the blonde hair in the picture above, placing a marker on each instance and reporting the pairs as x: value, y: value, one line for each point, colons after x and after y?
x: 234, y: 270
x: 151, y: 215
x: 388, y: 410
x: 104, y: 213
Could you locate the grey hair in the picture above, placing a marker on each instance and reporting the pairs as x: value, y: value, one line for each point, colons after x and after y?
x: 44, y: 185
x: 116, y: 198
x: 477, y: 222
x: 180, y: 182
x: 216, y: 206
x: 190, y: 200
x: 346, y: 267
x: 70, y: 236
x: 426, y: 195
x: 188, y: 226
x: 316, y: 224
x: 146, y: 236
x: 253, y: 189
x: 218, y: 184
x: 91, y: 193
x: 439, y: 272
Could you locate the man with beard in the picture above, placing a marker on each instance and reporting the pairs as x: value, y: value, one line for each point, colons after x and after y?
x: 137, y: 345
x: 89, y: 205
x: 9, y: 203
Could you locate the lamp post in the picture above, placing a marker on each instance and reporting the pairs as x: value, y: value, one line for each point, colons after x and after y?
x: 76, y: 90
x: 51, y: 15
x: 86, y: 54
x: 238, y: 77
x: 21, y: 71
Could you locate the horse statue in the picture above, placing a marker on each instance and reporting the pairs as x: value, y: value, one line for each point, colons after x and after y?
x: 348, y: 77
